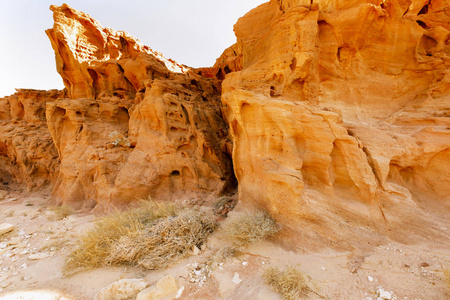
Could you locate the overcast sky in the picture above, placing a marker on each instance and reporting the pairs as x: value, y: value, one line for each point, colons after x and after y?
x: 193, y: 32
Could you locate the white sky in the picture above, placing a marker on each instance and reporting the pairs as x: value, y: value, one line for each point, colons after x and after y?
x: 193, y: 32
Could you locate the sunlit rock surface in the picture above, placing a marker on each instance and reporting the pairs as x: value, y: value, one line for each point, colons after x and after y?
x: 333, y: 116
x: 135, y: 123
x: 340, y: 109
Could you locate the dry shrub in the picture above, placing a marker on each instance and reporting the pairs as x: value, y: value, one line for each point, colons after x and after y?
x: 290, y: 283
x: 127, y: 237
x: 163, y: 243
x: 246, y: 228
x: 61, y: 212
x: 446, y: 272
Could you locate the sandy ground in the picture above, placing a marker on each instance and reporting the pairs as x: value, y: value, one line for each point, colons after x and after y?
x: 405, y: 271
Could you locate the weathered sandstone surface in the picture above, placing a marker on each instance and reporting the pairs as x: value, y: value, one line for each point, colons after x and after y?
x: 135, y: 123
x: 335, y: 114
x: 27, y: 154
x: 341, y: 107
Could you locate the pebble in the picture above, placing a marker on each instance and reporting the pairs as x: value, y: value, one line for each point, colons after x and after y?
x: 179, y: 292
x: 370, y: 278
x: 384, y: 295
x: 324, y: 269
x: 38, y: 256
x: 244, y: 263
x: 6, y: 227
x: 3, y: 245
x: 14, y: 241
x: 236, y: 279
x: 195, y: 250
x: 26, y: 278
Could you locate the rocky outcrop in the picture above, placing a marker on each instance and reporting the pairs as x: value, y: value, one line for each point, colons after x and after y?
x: 27, y: 154
x: 340, y: 107
x: 335, y: 113
x: 95, y: 61
x: 135, y: 123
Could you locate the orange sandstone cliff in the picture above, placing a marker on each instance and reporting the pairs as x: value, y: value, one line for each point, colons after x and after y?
x: 333, y: 116
x: 340, y: 113
x: 135, y: 123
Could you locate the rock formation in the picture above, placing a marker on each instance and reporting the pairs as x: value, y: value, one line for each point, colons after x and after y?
x: 135, y: 123
x: 340, y: 107
x: 335, y: 114
x: 27, y: 154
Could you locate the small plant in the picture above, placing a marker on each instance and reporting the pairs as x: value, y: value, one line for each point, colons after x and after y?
x: 119, y: 139
x: 153, y: 235
x: 246, y: 229
x: 446, y: 273
x: 61, y: 212
x: 290, y: 283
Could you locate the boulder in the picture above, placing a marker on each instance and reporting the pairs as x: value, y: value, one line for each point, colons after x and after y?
x: 165, y: 287
x: 121, y: 290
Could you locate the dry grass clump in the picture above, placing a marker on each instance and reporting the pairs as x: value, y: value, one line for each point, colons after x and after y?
x: 446, y: 272
x: 153, y: 235
x: 246, y: 228
x: 290, y: 283
x: 61, y: 212
x: 163, y: 243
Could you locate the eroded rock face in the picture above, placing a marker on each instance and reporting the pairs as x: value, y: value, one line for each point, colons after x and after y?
x: 135, y: 123
x: 338, y: 113
x: 27, y: 154
x: 340, y: 107
x: 96, y: 61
